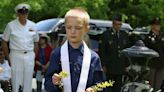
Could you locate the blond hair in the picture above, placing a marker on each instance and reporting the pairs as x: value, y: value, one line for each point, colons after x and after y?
x: 78, y: 12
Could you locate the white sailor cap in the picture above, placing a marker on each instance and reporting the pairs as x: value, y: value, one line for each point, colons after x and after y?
x: 24, y: 7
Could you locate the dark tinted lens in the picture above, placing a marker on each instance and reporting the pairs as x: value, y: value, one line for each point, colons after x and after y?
x: 23, y: 11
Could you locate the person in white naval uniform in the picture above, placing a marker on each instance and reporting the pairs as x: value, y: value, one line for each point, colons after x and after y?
x: 23, y: 39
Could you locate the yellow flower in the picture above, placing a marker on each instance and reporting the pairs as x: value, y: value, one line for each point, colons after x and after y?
x: 102, y: 85
x: 63, y: 74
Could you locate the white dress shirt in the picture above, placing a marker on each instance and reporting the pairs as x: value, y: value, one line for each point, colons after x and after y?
x: 21, y: 37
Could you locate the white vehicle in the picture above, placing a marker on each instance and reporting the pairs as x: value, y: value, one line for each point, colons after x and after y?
x: 55, y: 29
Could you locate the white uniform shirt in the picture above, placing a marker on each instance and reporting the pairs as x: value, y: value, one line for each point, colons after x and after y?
x: 6, y: 74
x: 21, y: 37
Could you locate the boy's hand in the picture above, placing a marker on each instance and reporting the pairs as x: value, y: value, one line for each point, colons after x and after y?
x: 89, y: 90
x: 56, y: 79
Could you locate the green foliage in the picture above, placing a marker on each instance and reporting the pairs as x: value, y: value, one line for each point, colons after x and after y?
x: 135, y: 12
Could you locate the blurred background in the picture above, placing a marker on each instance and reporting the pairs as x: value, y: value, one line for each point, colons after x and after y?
x: 137, y: 13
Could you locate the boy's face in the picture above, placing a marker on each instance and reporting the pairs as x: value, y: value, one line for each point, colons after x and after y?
x: 2, y: 57
x: 75, y: 29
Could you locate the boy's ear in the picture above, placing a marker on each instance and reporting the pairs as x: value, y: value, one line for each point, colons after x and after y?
x: 87, y: 28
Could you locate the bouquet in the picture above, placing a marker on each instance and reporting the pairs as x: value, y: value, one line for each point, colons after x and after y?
x: 102, y: 85
x: 62, y: 74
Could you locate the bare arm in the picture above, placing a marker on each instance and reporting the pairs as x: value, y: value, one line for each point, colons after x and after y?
x: 35, y: 47
x: 47, y: 65
x: 38, y: 63
x: 43, y: 66
x: 6, y: 50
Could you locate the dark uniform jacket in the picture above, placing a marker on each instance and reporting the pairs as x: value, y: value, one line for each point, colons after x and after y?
x: 156, y: 42
x: 109, y: 49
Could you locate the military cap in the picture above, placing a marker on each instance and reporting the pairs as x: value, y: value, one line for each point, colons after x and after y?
x: 117, y: 17
x: 22, y: 8
x: 156, y: 21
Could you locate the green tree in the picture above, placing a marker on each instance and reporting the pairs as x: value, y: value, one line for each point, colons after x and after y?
x: 44, y: 9
x: 139, y: 12
x: 136, y: 12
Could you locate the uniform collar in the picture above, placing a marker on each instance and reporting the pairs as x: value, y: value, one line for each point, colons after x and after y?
x: 17, y: 19
x: 115, y: 30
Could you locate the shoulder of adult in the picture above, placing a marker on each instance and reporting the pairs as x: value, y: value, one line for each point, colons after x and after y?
x: 48, y: 46
x: 31, y: 22
x: 6, y: 62
x: 12, y: 22
x: 124, y: 31
x: 107, y: 32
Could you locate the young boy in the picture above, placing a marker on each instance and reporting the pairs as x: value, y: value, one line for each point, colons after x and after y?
x: 82, y: 65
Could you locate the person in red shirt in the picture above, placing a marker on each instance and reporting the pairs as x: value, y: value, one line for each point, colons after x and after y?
x: 42, y: 59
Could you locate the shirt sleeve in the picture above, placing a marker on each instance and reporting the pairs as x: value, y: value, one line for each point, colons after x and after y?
x: 103, y: 47
x: 33, y: 27
x: 6, y: 33
x: 36, y: 37
x: 98, y: 72
x: 54, y: 67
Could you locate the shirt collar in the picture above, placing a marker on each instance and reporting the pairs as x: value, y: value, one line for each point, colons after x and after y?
x: 115, y: 30
x: 81, y: 48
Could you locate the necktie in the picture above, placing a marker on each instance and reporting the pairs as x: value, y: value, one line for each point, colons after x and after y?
x: 117, y: 33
